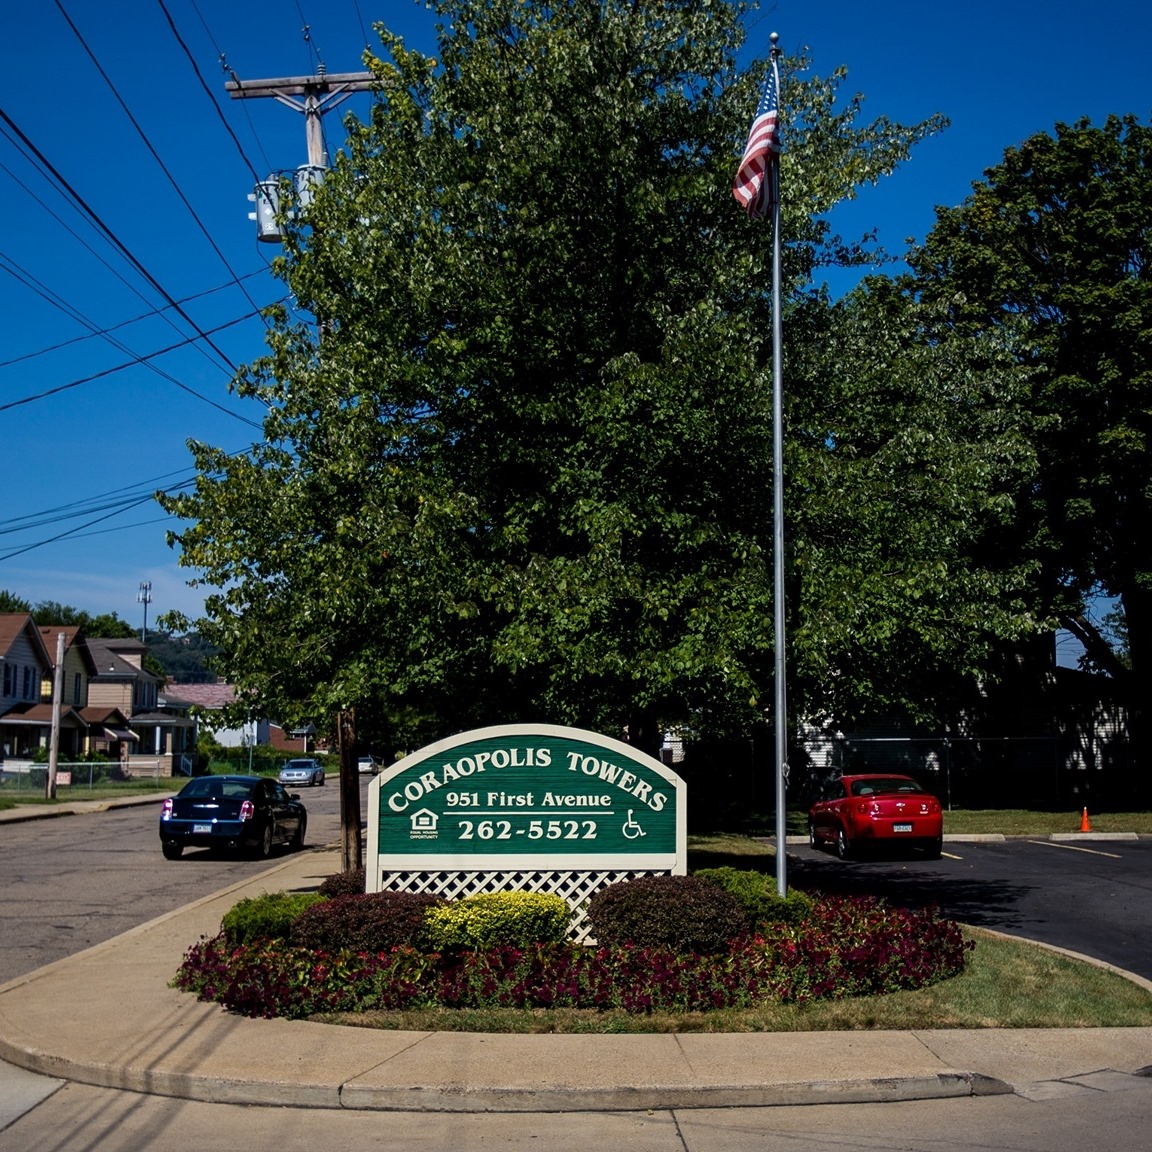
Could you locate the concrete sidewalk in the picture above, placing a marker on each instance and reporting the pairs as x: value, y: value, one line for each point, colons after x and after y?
x: 106, y: 1017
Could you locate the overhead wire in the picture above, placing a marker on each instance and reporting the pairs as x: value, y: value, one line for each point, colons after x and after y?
x: 72, y: 531
x: 122, y: 497
x: 317, y: 61
x: 120, y: 245
x: 133, y: 497
x: 152, y: 150
x: 132, y: 287
x: 110, y: 508
x: 360, y: 21
x: 138, y: 360
x: 204, y: 84
x: 98, y: 332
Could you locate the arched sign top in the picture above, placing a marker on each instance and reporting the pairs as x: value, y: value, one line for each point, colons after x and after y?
x: 531, y: 796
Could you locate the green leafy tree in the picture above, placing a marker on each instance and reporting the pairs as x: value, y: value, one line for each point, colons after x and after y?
x: 909, y: 449
x: 10, y: 602
x: 524, y: 472
x: 106, y: 625
x: 1052, y: 248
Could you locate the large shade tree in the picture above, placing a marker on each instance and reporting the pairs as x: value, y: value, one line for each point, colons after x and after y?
x: 909, y: 452
x: 1052, y: 250
x: 516, y: 459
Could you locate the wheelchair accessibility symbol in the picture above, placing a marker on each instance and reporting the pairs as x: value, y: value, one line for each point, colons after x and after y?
x: 631, y: 829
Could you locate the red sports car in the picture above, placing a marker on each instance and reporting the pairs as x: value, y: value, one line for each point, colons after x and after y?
x: 874, y: 811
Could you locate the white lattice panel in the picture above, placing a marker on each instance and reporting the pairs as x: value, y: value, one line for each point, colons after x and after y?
x: 576, y: 888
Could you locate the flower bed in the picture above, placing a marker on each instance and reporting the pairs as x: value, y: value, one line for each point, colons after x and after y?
x: 840, y: 947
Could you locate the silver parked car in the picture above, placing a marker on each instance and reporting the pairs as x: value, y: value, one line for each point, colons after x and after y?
x: 302, y: 771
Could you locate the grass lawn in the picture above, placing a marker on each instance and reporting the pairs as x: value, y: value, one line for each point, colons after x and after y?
x: 106, y: 791
x: 1006, y: 821
x: 1021, y: 822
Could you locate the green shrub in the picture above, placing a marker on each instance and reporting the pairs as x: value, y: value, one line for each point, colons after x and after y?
x: 757, y: 895
x: 350, y: 883
x: 365, y: 922
x: 681, y: 912
x: 268, y: 916
x: 492, y: 919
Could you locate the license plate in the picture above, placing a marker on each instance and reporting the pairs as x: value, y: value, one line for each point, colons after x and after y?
x: 901, y: 827
x: 196, y: 828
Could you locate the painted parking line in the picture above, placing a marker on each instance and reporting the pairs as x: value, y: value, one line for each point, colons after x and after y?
x: 1076, y: 848
x: 949, y: 856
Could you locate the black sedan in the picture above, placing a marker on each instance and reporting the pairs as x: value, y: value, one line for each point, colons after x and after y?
x: 232, y: 812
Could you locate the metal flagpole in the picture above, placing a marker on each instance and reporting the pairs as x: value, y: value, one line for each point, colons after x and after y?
x: 757, y: 189
x: 778, y: 518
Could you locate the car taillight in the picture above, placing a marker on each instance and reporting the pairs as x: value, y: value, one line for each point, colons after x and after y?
x: 866, y: 807
x: 166, y: 809
x: 247, y: 810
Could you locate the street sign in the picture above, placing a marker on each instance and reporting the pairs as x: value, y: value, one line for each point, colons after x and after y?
x: 527, y: 796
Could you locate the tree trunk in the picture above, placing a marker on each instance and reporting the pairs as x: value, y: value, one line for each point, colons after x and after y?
x: 644, y: 732
x: 351, y: 854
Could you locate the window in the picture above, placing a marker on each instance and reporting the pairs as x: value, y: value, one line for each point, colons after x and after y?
x: 76, y: 685
x: 9, y: 679
x: 29, y: 683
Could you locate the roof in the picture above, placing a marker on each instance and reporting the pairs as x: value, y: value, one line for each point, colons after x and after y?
x: 12, y: 625
x: 95, y: 714
x: 108, y: 664
x: 211, y: 697
x: 40, y: 715
x: 162, y: 720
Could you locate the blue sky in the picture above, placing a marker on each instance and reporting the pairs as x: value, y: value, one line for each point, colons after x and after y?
x: 80, y: 460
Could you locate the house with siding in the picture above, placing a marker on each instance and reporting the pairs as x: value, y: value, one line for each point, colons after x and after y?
x: 25, y: 680
x: 28, y: 681
x: 119, y: 680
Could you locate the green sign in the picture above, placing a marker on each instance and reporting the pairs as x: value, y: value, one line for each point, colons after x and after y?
x: 528, y: 796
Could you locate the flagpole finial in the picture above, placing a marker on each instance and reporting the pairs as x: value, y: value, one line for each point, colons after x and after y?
x: 775, y: 38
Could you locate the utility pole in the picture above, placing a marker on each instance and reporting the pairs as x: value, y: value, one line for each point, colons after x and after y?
x: 54, y: 740
x: 320, y: 94
x: 144, y: 596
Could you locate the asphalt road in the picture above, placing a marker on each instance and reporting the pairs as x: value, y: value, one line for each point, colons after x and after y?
x: 77, y: 880
x: 1093, y: 897
x: 72, y: 881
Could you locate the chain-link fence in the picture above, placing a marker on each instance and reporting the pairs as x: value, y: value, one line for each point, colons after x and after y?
x: 22, y: 778
x: 964, y: 772
x: 730, y: 782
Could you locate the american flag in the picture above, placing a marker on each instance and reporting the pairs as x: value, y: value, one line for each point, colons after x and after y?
x: 754, y: 186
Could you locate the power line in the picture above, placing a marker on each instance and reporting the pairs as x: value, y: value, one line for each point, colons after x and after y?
x: 95, y: 217
x: 95, y: 333
x: 203, y: 84
x: 131, y: 500
x: 153, y: 153
x: 88, y: 247
x: 71, y: 532
x: 360, y: 21
x: 122, y: 497
x: 144, y: 360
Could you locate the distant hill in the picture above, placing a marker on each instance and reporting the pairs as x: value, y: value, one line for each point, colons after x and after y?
x: 183, y: 658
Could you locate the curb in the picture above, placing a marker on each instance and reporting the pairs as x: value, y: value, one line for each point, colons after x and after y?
x: 195, y: 1051
x: 873, y: 1090
x: 360, y: 1095
x: 22, y: 813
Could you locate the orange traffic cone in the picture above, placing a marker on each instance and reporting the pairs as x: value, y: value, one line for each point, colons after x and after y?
x: 1084, y: 825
